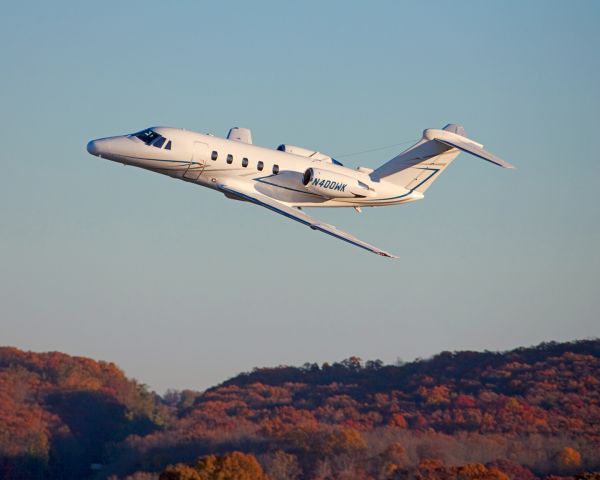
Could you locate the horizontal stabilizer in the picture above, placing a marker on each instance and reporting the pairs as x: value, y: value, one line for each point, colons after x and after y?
x: 475, y: 150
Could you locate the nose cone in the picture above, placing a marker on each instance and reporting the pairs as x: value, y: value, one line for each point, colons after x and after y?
x: 100, y: 147
x: 92, y: 147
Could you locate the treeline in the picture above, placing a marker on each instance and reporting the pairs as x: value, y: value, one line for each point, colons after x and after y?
x: 524, y: 414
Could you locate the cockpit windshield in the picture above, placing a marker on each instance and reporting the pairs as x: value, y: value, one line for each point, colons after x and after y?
x: 147, y: 136
x: 159, y: 142
x: 150, y: 137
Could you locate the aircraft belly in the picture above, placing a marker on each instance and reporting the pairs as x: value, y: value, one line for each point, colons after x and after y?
x: 286, y: 187
x: 173, y: 168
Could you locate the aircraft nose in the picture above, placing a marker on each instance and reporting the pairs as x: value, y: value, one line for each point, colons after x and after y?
x: 99, y: 147
x: 92, y: 147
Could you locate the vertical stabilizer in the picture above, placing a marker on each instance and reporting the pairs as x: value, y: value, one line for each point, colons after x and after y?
x: 420, y: 165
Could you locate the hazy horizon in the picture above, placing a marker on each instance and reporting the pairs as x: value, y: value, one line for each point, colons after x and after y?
x: 183, y: 288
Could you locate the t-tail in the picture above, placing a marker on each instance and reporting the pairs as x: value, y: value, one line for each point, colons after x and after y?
x: 419, y: 166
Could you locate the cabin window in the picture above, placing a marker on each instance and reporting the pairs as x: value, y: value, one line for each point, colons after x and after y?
x: 244, y: 162
x: 230, y: 159
x: 214, y: 155
x: 275, y: 169
x: 260, y: 165
x: 168, y: 145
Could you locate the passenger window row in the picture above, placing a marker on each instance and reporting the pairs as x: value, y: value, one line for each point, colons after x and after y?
x: 259, y: 166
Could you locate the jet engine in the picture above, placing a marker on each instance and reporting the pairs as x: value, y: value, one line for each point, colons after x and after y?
x: 334, y: 185
x: 305, y: 152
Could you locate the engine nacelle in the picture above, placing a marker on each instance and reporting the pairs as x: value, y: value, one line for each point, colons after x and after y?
x: 334, y: 185
x: 305, y: 152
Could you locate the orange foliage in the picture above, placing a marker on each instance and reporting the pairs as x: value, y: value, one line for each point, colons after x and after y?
x: 232, y: 466
x: 180, y: 471
x: 317, y: 416
x: 399, y: 421
x: 435, y: 470
x: 569, y: 458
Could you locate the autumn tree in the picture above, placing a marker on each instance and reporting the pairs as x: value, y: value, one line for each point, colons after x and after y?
x: 436, y: 470
x: 232, y: 466
x: 390, y: 462
x: 588, y: 476
x: 180, y: 471
x: 568, y: 459
x: 282, y: 466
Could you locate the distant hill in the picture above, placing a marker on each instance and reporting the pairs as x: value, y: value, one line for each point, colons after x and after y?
x: 526, y: 413
x: 551, y: 388
x: 58, y: 413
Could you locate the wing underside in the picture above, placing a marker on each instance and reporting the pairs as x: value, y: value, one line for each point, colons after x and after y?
x: 299, y: 216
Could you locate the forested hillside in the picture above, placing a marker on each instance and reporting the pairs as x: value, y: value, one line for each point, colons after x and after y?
x: 58, y: 414
x: 527, y: 413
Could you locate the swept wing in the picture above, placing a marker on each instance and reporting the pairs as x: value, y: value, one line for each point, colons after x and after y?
x: 299, y: 216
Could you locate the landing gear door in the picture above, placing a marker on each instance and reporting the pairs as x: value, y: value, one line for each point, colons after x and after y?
x: 197, y: 162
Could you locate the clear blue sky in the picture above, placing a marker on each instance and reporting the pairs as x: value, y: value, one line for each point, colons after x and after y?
x: 183, y: 288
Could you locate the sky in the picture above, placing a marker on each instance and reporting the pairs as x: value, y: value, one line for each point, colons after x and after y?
x: 183, y: 288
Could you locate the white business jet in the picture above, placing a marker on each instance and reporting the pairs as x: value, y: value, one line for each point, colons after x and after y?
x: 289, y: 178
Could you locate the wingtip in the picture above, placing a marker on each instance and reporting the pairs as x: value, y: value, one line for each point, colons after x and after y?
x: 504, y: 164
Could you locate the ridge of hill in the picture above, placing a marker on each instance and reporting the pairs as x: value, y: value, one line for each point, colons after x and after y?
x: 542, y: 389
x: 525, y: 413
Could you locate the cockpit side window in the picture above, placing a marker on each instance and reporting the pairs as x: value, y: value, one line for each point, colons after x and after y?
x: 159, y: 142
x: 168, y: 145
